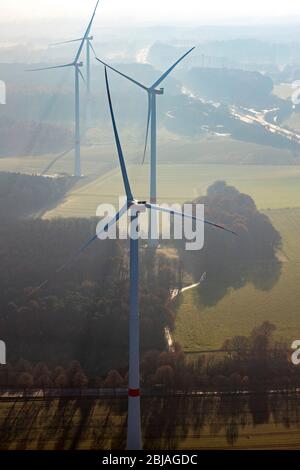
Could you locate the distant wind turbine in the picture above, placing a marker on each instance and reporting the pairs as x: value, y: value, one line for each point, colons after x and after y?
x: 134, y: 436
x: 89, y: 48
x: 77, y: 64
x: 152, y: 91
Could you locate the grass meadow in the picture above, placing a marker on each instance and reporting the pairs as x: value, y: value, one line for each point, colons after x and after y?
x: 200, y: 328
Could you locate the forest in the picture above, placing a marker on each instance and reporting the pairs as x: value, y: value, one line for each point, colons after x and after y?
x: 234, y: 261
x: 232, y: 86
x: 24, y: 195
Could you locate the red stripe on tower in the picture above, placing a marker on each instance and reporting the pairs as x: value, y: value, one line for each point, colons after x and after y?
x: 133, y: 392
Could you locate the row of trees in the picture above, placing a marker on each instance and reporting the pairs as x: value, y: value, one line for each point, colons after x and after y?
x: 254, y: 363
x: 24, y: 375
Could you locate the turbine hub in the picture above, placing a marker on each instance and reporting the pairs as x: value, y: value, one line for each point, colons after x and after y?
x: 138, y: 206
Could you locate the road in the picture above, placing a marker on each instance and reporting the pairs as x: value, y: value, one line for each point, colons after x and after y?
x: 250, y: 116
x: 173, y: 294
x: 169, y: 339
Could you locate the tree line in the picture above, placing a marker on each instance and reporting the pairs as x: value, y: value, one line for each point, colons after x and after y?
x: 252, y: 363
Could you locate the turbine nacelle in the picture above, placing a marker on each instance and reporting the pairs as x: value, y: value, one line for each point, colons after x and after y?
x: 158, y: 92
x: 137, y: 207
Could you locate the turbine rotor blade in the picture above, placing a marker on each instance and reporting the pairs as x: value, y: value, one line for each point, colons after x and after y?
x: 122, y: 74
x: 113, y: 221
x: 118, y: 143
x: 92, y: 47
x: 81, y: 74
x: 165, y: 74
x: 76, y: 255
x: 148, y: 125
x: 65, y: 42
x: 61, y: 155
x: 50, y: 68
x: 87, y: 32
x: 181, y: 214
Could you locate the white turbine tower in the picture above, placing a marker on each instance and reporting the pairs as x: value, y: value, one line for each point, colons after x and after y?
x: 152, y: 92
x: 134, y: 207
x: 89, y: 47
x: 77, y: 64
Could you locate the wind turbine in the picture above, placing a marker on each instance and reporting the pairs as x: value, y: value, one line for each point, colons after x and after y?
x: 89, y: 47
x: 135, y: 207
x: 77, y: 64
x: 152, y: 92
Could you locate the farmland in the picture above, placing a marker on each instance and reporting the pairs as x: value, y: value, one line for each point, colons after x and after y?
x: 275, y: 189
x: 99, y: 148
x: 199, y: 423
x: 270, y: 186
x: 96, y: 159
x: 246, y: 165
x: 239, y: 311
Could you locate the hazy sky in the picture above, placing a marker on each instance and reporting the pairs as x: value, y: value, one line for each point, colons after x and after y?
x: 150, y: 10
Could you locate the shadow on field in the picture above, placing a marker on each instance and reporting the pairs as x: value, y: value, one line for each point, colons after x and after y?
x: 171, y: 422
x: 230, y: 261
x: 215, y: 422
x: 262, y: 275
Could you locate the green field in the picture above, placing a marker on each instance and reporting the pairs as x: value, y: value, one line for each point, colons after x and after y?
x: 171, y: 149
x: 239, y: 311
x: 95, y: 159
x: 167, y: 423
x: 270, y: 186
